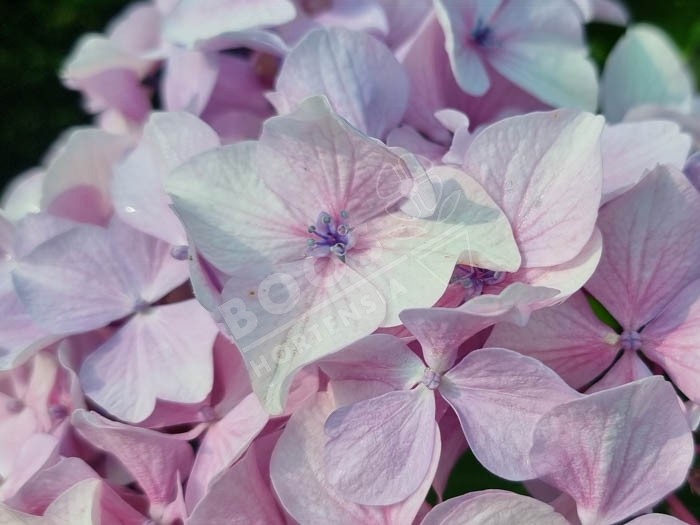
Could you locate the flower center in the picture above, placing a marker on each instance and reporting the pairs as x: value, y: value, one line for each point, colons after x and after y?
x: 482, y: 35
x: 431, y: 379
x: 473, y: 279
x: 631, y: 340
x: 330, y: 236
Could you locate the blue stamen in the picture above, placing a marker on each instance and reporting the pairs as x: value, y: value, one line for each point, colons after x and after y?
x: 473, y: 279
x: 331, y: 236
x: 482, y: 34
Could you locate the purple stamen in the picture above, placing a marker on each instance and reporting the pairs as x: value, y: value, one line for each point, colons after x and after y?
x: 330, y: 236
x: 473, y: 279
x: 631, y: 340
x: 482, y: 35
x: 431, y: 379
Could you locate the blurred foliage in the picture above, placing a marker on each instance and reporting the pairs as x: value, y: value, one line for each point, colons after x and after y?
x: 35, y: 38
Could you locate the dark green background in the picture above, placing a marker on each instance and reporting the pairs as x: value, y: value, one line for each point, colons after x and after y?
x: 36, y: 35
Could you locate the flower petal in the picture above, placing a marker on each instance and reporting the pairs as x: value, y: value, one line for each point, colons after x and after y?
x: 379, y: 357
x: 649, y: 231
x: 568, y: 338
x: 156, y: 460
x: 225, y: 441
x: 315, y: 161
x: 299, y: 481
x: 167, y: 141
x: 380, y: 450
x: 358, y: 74
x: 164, y: 353
x: 550, y: 197
x: 672, y: 338
x: 637, y: 447
x: 499, y: 396
x: 630, y: 149
x: 493, y: 507
x: 643, y: 68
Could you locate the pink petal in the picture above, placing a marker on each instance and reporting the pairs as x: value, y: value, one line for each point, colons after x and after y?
x: 76, y: 185
x: 637, y: 447
x: 493, y: 507
x: 36, y: 452
x: 377, y: 357
x: 442, y: 330
x: 155, y: 460
x: 240, y: 496
x: 453, y: 446
x: 193, y: 21
x: 168, y: 140
x: 298, y: 479
x: 357, y: 15
x: 628, y: 368
x: 286, y: 317
x: 203, y: 190
x: 149, y: 263
x: 656, y: 519
x: 341, y: 169
x: 162, y: 353
x: 189, y: 80
x: 380, y: 450
x: 404, y: 19
x: 630, y: 149
x: 91, y: 501
x: 137, y: 28
x: 49, y: 483
x: 358, y: 74
x: 567, y: 278
x: 671, y: 339
x: 568, y: 338
x: 649, y: 231
x: 74, y: 282
x: 467, y: 227
x: 225, y: 441
x: 519, y: 163
x: 499, y: 397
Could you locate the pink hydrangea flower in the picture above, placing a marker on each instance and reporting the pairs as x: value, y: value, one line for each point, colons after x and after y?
x: 647, y: 232
x: 300, y: 258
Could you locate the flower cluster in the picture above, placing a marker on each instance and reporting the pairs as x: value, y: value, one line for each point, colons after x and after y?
x: 313, y: 250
